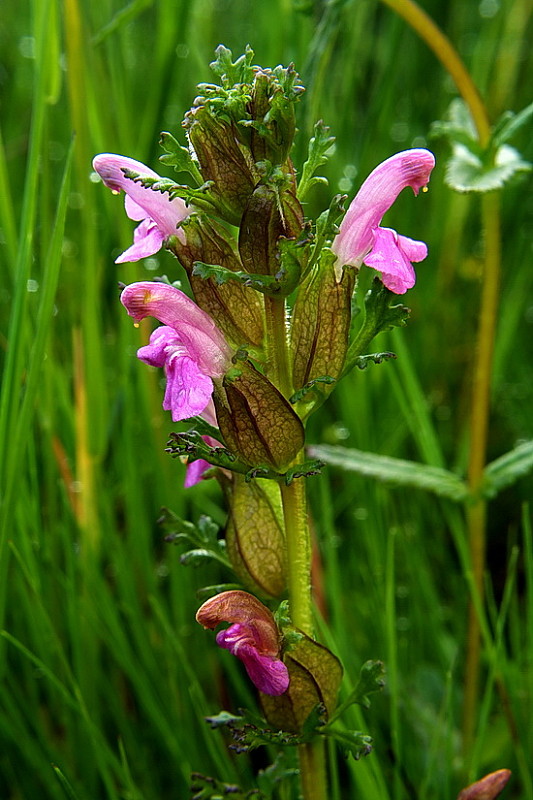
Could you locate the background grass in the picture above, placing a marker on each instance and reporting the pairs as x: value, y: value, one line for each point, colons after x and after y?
x: 104, y: 671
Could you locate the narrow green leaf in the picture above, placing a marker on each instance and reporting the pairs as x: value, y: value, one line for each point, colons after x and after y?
x: 394, y: 470
x: 65, y: 785
x: 121, y: 18
x: 507, y: 469
x: 510, y: 123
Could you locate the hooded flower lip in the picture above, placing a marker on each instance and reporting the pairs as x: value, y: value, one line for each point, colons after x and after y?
x: 188, y: 345
x: 157, y: 213
x: 252, y: 636
x: 362, y: 240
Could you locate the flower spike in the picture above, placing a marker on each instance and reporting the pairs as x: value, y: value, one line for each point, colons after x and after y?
x: 253, y: 637
x: 361, y: 240
x: 157, y: 213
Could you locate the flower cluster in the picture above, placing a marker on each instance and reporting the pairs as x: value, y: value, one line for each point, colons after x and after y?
x: 241, y: 359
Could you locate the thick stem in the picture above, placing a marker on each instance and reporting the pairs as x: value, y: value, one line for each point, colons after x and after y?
x: 298, y: 553
x: 313, y: 779
x: 298, y: 538
x: 277, y: 345
x: 311, y: 756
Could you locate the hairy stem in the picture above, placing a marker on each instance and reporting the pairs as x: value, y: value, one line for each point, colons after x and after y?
x: 298, y: 538
x: 277, y: 345
x: 298, y: 553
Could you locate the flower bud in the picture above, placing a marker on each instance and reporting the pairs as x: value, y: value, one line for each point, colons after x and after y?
x: 487, y: 788
x: 256, y: 421
x: 268, y: 216
x: 315, y: 675
x: 255, y: 536
x: 222, y: 160
x: 321, y: 323
x: 253, y: 637
x: 272, y: 112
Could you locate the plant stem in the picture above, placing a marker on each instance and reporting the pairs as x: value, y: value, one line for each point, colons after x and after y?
x: 298, y: 539
x: 312, y: 759
x: 479, y: 422
x: 312, y: 756
x: 480, y: 406
x: 298, y: 553
x: 277, y: 345
x: 417, y: 18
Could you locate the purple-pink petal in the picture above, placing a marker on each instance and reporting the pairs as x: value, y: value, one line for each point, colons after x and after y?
x: 360, y: 240
x: 147, y: 240
x: 156, y: 208
x: 155, y: 353
x: 392, y: 255
x: 195, y: 471
x: 188, y: 390
x: 196, y: 330
x: 267, y: 673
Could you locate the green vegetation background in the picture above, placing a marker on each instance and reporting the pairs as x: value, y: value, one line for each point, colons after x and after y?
x: 103, y: 671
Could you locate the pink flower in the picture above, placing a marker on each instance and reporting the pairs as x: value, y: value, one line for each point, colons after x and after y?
x: 253, y: 637
x: 361, y: 240
x: 159, y: 215
x: 188, y: 345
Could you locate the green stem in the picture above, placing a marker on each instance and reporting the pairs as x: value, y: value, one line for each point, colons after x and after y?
x: 313, y: 780
x: 479, y: 423
x: 277, y: 345
x: 298, y: 553
x: 298, y: 539
x: 480, y: 408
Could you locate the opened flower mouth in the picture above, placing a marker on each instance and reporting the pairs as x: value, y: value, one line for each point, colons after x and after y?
x: 189, y: 346
x: 252, y: 637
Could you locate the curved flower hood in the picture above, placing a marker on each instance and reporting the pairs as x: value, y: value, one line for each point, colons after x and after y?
x: 157, y: 213
x: 362, y: 240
